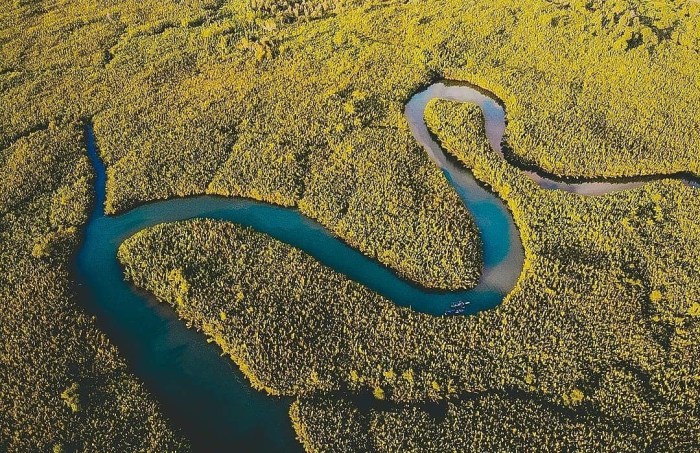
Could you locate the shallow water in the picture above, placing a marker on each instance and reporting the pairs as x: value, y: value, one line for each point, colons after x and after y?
x: 205, y: 393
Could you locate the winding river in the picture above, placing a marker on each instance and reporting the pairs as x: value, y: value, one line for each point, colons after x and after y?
x: 203, y: 392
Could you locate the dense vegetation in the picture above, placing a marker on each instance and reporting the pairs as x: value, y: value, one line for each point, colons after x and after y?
x: 236, y: 98
x: 300, y: 103
x: 63, y: 386
x: 598, y: 333
x: 485, y: 422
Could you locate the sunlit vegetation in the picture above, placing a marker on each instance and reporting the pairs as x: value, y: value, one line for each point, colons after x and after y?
x: 599, y: 328
x: 587, y: 84
x: 63, y: 386
x: 231, y: 98
x: 293, y: 10
x: 299, y: 103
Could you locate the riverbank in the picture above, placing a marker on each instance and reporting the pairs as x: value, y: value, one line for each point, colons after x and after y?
x: 331, y: 334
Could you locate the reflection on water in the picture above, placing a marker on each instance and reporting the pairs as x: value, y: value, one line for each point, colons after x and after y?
x: 205, y: 393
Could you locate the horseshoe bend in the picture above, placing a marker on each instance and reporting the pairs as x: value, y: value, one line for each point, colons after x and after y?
x: 281, y: 226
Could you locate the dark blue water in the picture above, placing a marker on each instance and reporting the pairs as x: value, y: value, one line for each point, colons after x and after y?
x: 204, y: 393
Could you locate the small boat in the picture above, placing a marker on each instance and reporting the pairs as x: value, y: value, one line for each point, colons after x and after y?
x: 458, y: 307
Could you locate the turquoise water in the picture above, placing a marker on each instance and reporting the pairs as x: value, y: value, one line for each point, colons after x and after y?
x: 203, y: 392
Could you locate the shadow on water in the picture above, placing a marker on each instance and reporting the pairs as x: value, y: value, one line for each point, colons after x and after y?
x: 201, y: 391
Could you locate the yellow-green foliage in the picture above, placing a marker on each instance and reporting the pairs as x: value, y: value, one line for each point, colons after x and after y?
x: 225, y: 98
x: 234, y: 103
x: 213, y: 96
x: 293, y: 10
x: 71, y: 396
x: 587, y: 84
x: 583, y: 331
x: 62, y: 383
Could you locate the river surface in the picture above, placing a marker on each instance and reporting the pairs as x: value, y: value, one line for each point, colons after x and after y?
x: 203, y: 392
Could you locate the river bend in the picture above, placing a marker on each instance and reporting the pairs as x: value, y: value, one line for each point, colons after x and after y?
x: 203, y: 392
